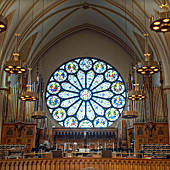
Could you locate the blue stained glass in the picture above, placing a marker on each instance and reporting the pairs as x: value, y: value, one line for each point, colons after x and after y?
x: 51, y: 79
x: 120, y: 110
x: 68, y: 86
x: 74, y: 81
x: 98, y: 109
x: 118, y: 87
x: 99, y: 67
x: 86, y: 124
x: 105, y: 94
x: 81, y: 77
x: 110, y: 123
x: 62, y: 67
x: 94, y: 60
x: 77, y: 60
x: 73, y: 109
x: 111, y: 75
x: 59, y: 114
x: 60, y: 123
x: 85, y: 92
x: 71, y: 122
x: 60, y: 75
x: 118, y: 101
x: 90, y: 77
x: 53, y: 88
x: 53, y: 101
x: 47, y: 94
x: 112, y: 114
x: 81, y: 112
x: 102, y: 102
x: 65, y: 94
x: 71, y: 67
x: 124, y: 94
x: 108, y: 66
x: 69, y: 102
x: 85, y: 64
x: 50, y: 110
x: 120, y: 79
x: 100, y: 122
x: 101, y: 87
x: 96, y: 81
x: 90, y: 112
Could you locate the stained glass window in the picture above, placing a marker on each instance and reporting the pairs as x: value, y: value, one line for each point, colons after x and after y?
x: 85, y: 93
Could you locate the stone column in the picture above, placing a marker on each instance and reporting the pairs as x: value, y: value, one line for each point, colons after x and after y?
x: 2, y: 95
x: 3, y: 90
x: 168, y: 105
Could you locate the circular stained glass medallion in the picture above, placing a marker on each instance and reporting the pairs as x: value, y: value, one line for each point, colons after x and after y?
x: 118, y: 87
x: 60, y: 75
x: 118, y: 101
x: 85, y: 64
x: 99, y: 67
x: 59, y: 114
x: 85, y: 92
x: 112, y: 114
x: 71, y: 67
x: 85, y: 124
x: 100, y: 122
x: 71, y: 122
x: 53, y: 88
x: 53, y: 101
x: 111, y: 75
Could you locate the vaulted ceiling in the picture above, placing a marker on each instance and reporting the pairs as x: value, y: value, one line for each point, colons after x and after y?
x: 42, y: 23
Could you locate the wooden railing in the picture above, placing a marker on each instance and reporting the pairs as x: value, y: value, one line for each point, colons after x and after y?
x: 84, y: 163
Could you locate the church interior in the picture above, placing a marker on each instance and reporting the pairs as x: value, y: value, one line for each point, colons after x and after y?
x: 84, y: 84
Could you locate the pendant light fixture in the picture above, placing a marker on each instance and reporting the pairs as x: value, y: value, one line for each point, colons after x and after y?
x: 3, y: 22
x: 15, y: 66
x: 147, y: 66
x: 129, y: 114
x: 160, y: 22
x: 28, y: 95
x: 136, y: 94
x: 39, y: 113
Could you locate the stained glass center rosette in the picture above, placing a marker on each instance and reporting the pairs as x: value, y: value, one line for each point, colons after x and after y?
x: 85, y: 92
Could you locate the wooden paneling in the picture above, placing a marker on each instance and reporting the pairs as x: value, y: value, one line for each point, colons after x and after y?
x: 95, y: 137
x: 150, y: 133
x: 19, y: 133
x: 81, y: 163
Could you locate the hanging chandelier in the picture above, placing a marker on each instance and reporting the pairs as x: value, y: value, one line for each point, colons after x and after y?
x: 3, y: 23
x: 40, y: 114
x: 129, y: 114
x: 147, y: 66
x: 136, y: 94
x: 15, y: 66
x: 28, y: 95
x: 160, y: 22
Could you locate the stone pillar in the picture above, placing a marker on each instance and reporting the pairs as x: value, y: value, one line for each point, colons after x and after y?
x: 168, y: 105
x: 3, y: 90
x: 2, y: 95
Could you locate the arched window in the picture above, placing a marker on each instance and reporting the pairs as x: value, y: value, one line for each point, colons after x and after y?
x: 85, y: 92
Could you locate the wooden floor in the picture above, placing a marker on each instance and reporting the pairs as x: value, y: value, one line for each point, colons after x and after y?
x: 85, y: 164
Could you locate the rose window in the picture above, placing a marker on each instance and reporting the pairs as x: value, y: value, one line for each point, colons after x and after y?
x: 85, y: 92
